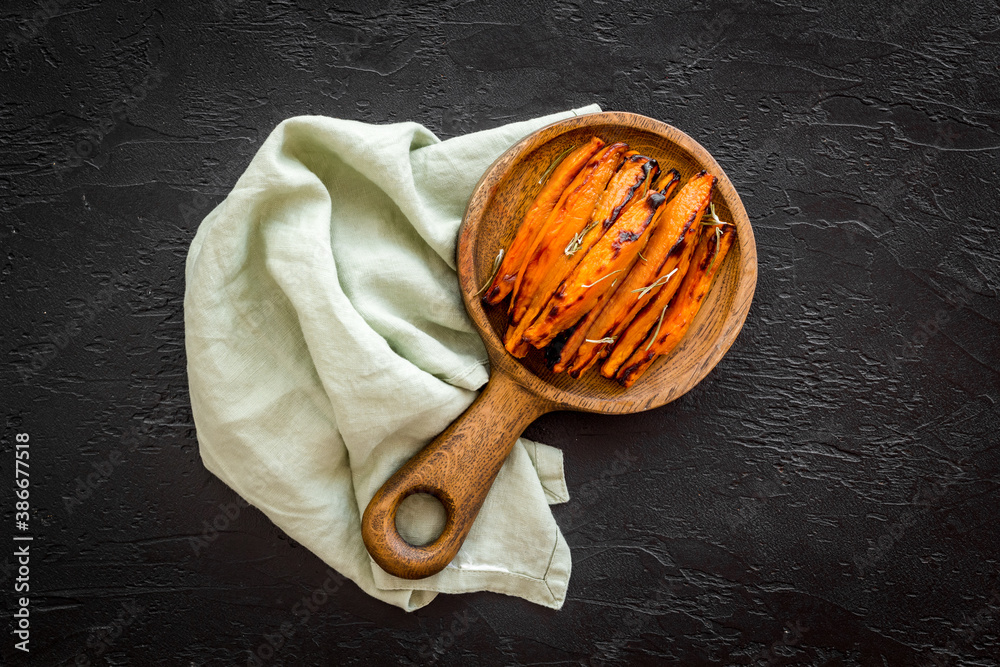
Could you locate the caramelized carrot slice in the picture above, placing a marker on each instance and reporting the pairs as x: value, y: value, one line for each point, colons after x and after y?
x: 579, y: 335
x: 534, y: 219
x: 614, y: 253
x: 636, y: 172
x: 667, y: 185
x: 548, y: 261
x: 571, y: 212
x: 632, y: 331
x: 676, y: 320
x: 662, y: 266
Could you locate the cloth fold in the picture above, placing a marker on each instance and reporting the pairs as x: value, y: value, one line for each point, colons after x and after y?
x: 327, y: 343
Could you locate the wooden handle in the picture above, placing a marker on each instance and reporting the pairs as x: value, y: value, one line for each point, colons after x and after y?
x: 458, y: 468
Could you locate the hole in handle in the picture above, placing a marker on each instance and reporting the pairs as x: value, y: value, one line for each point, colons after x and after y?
x: 397, y: 556
x: 420, y: 519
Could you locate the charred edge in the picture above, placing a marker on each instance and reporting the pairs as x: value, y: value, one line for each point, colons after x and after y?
x: 598, y: 156
x: 626, y: 374
x: 631, y: 237
x: 655, y: 200
x: 675, y: 178
x: 703, y: 264
x: 650, y: 170
x: 623, y: 163
x: 623, y: 238
x: 610, y: 150
x: 688, y: 223
x: 676, y: 298
x: 591, y: 167
x: 491, y: 295
x: 677, y: 249
x: 683, y: 239
x: 507, y: 279
x: 713, y: 249
x: 554, y: 349
x: 617, y: 210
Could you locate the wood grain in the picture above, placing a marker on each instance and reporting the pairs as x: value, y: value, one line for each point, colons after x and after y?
x: 459, y: 466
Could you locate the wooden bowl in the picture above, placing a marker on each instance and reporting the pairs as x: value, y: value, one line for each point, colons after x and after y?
x: 459, y: 466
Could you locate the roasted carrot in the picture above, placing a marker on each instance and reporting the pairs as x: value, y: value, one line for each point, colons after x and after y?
x: 623, y: 187
x: 666, y: 184
x: 561, y: 176
x: 638, y: 171
x: 579, y: 335
x: 570, y: 214
x: 674, y: 322
x: 614, y: 253
x: 665, y: 259
x: 632, y: 331
x: 548, y: 257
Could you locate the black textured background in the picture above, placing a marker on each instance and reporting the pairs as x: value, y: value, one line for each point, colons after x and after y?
x: 827, y: 496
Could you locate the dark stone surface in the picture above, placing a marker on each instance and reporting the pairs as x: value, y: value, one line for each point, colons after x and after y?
x: 827, y: 496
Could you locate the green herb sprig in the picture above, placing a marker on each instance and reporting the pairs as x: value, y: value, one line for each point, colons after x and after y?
x: 555, y: 163
x: 657, y: 332
x: 608, y: 340
x: 714, y: 222
x: 496, y: 267
x: 574, y: 244
x: 662, y: 280
x: 604, y: 278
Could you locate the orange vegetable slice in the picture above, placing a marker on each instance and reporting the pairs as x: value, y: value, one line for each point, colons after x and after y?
x: 562, y: 175
x: 675, y: 320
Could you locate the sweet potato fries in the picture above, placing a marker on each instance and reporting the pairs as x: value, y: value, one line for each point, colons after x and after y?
x: 560, y: 177
x: 607, y: 265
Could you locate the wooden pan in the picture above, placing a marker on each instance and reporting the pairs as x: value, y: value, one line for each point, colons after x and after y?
x: 459, y: 466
